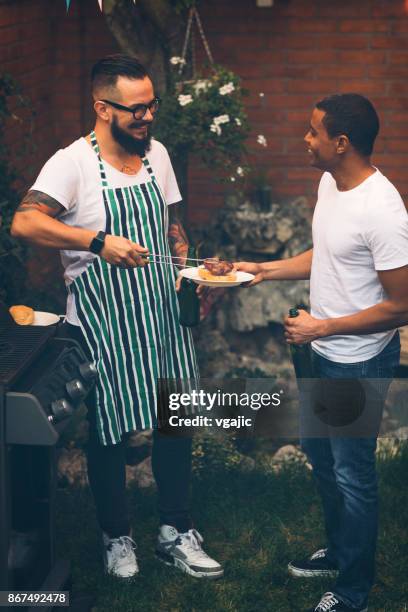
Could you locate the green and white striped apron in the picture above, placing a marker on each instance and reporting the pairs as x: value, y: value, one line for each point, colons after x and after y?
x: 130, y: 316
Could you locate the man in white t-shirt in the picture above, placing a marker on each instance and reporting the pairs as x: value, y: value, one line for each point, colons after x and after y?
x: 358, y: 270
x: 106, y: 202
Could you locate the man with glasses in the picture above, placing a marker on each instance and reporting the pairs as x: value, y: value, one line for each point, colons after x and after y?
x: 107, y: 201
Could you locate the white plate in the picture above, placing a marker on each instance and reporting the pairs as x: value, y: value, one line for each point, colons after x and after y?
x: 192, y: 274
x: 45, y: 318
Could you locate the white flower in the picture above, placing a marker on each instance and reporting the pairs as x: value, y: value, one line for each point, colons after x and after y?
x: 238, y: 121
x: 240, y: 171
x: 232, y: 179
x: 185, y: 99
x: 214, y: 127
x: 177, y: 60
x: 260, y: 139
x: 226, y: 89
x: 261, y: 94
x: 221, y: 119
x: 202, y: 85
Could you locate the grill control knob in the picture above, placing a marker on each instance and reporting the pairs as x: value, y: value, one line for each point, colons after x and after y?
x: 88, y: 371
x: 61, y: 409
x: 75, y: 389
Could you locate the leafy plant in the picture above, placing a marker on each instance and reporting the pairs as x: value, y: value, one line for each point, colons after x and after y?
x: 12, y: 252
x: 214, y: 452
x: 205, y: 116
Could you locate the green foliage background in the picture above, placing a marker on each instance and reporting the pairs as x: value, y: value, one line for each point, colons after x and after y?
x: 12, y: 253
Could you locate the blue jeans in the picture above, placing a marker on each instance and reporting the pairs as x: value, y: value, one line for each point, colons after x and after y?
x: 345, y: 472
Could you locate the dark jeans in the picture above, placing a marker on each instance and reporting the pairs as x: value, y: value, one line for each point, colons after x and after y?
x: 171, y: 464
x: 345, y: 471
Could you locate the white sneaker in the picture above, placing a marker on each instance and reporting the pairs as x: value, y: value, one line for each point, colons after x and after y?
x: 183, y: 550
x: 118, y: 556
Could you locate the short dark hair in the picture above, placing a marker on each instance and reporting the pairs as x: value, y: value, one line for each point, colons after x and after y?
x: 105, y: 72
x: 353, y: 115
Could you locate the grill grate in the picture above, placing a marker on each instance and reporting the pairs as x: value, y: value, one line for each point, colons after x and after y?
x: 18, y: 347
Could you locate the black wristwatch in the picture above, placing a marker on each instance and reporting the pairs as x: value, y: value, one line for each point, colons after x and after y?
x: 97, y: 243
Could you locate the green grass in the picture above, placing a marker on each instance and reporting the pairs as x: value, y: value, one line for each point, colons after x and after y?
x: 254, y: 523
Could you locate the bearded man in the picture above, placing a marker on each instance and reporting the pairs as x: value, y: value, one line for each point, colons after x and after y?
x: 106, y: 201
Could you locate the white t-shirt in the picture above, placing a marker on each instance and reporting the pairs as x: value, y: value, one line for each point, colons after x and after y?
x: 72, y: 177
x: 355, y: 233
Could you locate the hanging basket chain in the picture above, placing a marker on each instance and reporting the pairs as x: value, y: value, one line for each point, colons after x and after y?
x: 186, y: 40
x: 193, y: 55
x: 203, y: 37
x: 193, y: 14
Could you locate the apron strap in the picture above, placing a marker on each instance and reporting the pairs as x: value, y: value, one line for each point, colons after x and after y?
x: 104, y: 180
x: 95, y: 147
x: 148, y: 167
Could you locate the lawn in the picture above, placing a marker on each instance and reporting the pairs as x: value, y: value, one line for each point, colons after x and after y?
x: 254, y: 523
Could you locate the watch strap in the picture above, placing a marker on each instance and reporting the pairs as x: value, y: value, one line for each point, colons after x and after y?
x: 97, y: 243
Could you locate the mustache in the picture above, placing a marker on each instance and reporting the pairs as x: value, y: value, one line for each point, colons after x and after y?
x: 139, y: 124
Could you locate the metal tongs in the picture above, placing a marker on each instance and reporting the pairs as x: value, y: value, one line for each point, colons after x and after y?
x: 172, y: 260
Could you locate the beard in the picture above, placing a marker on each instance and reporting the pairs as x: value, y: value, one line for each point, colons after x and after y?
x: 133, y: 146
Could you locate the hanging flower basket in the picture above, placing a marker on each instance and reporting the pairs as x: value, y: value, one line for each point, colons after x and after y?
x: 204, y: 113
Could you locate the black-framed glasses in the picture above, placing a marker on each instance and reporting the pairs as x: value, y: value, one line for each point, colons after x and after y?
x: 138, y: 110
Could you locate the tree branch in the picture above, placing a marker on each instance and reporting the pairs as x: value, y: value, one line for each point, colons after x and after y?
x: 150, y: 30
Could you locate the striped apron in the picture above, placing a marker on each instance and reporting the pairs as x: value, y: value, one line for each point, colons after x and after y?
x: 130, y: 316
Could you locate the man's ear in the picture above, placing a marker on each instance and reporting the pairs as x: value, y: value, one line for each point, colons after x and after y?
x: 101, y: 110
x: 343, y: 144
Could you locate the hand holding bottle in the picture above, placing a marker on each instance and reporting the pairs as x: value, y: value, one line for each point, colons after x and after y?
x: 303, y: 328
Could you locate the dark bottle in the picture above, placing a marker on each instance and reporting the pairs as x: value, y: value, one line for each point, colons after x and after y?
x: 301, y: 353
x: 189, y: 301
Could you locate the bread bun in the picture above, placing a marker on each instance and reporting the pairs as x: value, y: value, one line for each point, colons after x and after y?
x: 22, y: 315
x: 206, y: 275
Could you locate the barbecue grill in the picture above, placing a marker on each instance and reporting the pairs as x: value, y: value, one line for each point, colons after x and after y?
x: 43, y: 379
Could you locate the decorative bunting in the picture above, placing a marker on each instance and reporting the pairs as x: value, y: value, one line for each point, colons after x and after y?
x: 100, y: 2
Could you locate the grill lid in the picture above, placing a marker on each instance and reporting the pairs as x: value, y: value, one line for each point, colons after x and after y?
x: 19, y: 345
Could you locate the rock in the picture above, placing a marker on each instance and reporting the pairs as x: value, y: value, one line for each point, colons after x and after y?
x: 289, y: 451
x: 241, y: 332
x: 274, y: 351
x: 72, y: 468
x: 140, y: 438
x: 141, y: 474
x: 212, y: 342
x: 284, y: 230
x: 138, y: 446
x: 249, y: 309
x: 400, y: 434
x: 251, y: 230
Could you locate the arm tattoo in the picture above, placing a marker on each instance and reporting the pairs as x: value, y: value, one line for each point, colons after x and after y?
x: 41, y: 202
x: 177, y: 236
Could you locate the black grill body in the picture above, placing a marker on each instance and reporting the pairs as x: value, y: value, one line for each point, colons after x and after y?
x: 39, y: 374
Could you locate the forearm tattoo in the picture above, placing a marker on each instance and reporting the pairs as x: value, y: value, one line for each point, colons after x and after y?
x: 177, y: 236
x: 41, y: 202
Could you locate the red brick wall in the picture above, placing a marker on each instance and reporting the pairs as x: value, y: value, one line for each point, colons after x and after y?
x: 26, y: 53
x: 298, y: 51
x: 50, y: 52
x: 295, y: 52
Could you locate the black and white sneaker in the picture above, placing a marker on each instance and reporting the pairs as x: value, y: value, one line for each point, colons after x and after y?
x: 313, y: 567
x: 330, y: 603
x: 183, y: 550
x: 118, y: 556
